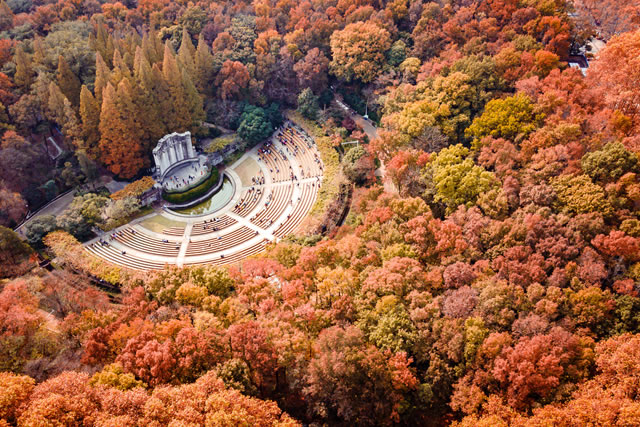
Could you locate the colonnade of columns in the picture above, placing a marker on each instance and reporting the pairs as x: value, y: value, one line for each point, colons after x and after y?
x: 172, y: 149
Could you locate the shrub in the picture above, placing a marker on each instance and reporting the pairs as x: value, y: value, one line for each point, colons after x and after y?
x: 255, y: 125
x: 308, y: 104
x: 358, y: 166
x: 135, y: 189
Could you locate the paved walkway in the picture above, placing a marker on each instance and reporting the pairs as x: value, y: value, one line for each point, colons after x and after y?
x: 372, y: 132
x: 59, y: 205
x: 188, y: 174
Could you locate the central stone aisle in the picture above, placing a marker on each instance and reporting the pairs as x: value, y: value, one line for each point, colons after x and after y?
x: 185, y: 243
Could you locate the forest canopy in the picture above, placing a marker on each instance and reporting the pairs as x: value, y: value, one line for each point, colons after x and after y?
x: 484, y: 266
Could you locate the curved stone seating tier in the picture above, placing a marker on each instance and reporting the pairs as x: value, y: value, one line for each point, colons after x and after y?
x: 304, y: 155
x: 210, y: 227
x: 256, y: 215
x: 215, y: 244
x: 233, y: 258
x: 312, y: 166
x: 116, y: 256
x: 248, y: 201
x: 300, y: 209
x: 275, y: 207
x: 277, y: 165
x: 147, y: 244
x: 174, y: 231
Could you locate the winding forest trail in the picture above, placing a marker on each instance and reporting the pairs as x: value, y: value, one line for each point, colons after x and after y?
x: 372, y: 132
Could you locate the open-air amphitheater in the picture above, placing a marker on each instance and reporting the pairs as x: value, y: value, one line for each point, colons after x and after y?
x: 266, y: 195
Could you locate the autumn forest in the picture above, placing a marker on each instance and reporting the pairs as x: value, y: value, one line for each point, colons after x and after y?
x: 472, y: 257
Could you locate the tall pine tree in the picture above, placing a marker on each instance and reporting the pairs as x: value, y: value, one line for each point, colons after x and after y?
x: 194, y: 101
x: 180, y: 114
x: 38, y: 51
x: 60, y: 111
x: 130, y: 112
x: 68, y: 82
x: 119, y: 149
x: 4, y: 119
x: 147, y: 98
x: 110, y: 50
x: 162, y: 94
x: 103, y: 76
x: 6, y: 16
x: 120, y: 69
x: 152, y: 47
x: 24, y: 75
x: 40, y: 88
x: 101, y: 42
x: 90, y: 115
x: 128, y: 48
x: 186, y: 53
x: 204, y: 70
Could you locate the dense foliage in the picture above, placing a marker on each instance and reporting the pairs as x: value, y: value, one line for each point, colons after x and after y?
x: 491, y: 276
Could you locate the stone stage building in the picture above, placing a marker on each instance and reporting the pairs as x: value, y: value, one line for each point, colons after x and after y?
x: 172, y: 150
x: 178, y: 165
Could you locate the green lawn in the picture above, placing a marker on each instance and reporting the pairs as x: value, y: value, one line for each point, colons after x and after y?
x: 158, y: 223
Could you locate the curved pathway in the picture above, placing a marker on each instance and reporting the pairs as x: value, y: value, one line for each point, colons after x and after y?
x: 372, y: 132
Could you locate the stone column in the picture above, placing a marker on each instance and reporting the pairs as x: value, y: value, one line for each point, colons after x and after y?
x: 174, y: 152
x: 172, y: 155
x: 165, y: 161
x: 190, y: 150
x: 157, y: 156
x: 180, y: 151
x: 161, y: 162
